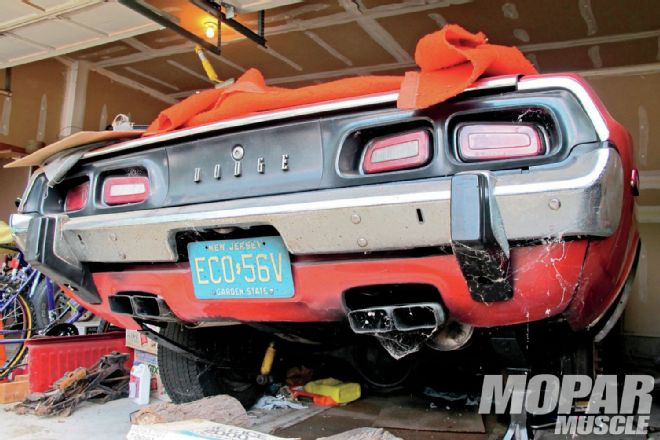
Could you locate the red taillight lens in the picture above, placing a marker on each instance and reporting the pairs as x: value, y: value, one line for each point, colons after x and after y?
x: 76, y: 198
x: 498, y: 141
x: 122, y: 190
x: 398, y: 152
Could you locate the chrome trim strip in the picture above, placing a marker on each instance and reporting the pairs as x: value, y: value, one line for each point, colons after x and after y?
x: 577, y: 89
x: 28, y: 189
x: 249, y: 120
x: 621, y: 304
x: 370, y: 218
x: 324, y: 107
x: 534, y: 83
x: 19, y: 224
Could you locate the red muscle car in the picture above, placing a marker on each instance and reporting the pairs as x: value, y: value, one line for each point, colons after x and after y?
x: 500, y: 219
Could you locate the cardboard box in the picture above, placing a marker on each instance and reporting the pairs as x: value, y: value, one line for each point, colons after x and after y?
x: 15, y: 391
x: 140, y: 342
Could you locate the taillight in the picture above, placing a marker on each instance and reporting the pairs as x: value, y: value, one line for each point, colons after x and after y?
x: 76, y: 197
x: 397, y: 152
x: 498, y: 141
x: 122, y: 190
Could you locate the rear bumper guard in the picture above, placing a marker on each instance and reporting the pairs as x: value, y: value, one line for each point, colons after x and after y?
x: 478, y: 238
x: 41, y: 251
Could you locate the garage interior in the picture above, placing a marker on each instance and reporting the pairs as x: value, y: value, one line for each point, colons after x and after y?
x: 73, y: 65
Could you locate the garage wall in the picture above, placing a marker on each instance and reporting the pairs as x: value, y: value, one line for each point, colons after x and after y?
x: 37, y: 89
x: 106, y: 97
x: 634, y: 100
x: 32, y: 85
x: 42, y: 84
x: 12, y: 182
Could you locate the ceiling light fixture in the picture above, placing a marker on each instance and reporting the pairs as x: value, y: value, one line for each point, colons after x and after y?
x: 210, y: 29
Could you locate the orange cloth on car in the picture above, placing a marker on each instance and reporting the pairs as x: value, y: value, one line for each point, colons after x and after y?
x: 450, y: 60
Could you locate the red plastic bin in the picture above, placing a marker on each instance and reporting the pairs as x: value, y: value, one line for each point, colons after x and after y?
x: 50, y: 357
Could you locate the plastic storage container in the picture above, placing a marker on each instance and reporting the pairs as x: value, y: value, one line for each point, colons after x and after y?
x: 139, y: 386
x: 338, y: 391
x: 49, y: 358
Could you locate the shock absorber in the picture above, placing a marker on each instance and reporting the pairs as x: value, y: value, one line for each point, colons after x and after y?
x: 264, y: 376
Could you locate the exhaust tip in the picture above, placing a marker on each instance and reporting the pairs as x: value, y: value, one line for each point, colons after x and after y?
x: 403, y: 318
x: 373, y: 320
x: 120, y: 304
x: 144, y: 307
x: 418, y: 316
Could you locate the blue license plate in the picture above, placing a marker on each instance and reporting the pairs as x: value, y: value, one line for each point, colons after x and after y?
x: 242, y: 268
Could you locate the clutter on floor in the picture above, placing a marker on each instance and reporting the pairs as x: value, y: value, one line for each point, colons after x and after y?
x: 204, y: 429
x: 194, y: 429
x: 106, y: 380
x: 50, y: 357
x: 218, y: 409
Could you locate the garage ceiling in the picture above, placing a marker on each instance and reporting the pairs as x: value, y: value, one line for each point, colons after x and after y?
x: 326, y: 39
x: 32, y: 30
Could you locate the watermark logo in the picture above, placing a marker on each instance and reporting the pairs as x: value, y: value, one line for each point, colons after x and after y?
x: 583, y: 405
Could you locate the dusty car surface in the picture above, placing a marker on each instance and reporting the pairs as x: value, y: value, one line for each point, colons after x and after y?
x: 500, y: 219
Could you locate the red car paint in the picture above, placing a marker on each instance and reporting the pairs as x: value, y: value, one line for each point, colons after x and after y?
x: 608, y: 261
x: 579, y: 279
x: 545, y: 277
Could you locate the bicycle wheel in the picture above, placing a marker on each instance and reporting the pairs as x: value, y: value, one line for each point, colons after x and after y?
x: 15, y: 327
x: 63, y: 306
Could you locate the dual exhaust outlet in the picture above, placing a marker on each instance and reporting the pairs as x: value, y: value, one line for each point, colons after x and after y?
x: 143, y: 307
x: 402, y: 318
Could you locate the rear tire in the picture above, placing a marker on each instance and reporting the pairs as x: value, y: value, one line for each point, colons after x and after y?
x: 186, y: 380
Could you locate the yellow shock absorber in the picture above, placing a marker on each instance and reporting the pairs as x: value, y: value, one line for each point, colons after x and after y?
x: 206, y: 64
x: 269, y: 358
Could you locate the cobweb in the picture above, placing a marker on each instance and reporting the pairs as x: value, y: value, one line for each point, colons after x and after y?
x: 401, y: 344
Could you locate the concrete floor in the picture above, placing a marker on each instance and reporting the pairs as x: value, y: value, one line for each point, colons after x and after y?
x: 110, y: 421
x: 90, y: 421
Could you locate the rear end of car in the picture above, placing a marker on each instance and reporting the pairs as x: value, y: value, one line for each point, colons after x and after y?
x: 509, y: 204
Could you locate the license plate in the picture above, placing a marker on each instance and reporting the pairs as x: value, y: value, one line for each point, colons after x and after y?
x: 241, y: 268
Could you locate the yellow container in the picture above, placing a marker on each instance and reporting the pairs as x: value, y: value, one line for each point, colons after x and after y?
x: 338, y: 391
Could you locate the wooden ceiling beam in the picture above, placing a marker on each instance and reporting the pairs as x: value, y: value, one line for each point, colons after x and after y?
x: 328, y: 48
x: 151, y: 78
x: 295, y: 25
x: 65, y: 8
x: 377, y: 32
x: 134, y: 84
x: 190, y: 72
x: 589, y: 41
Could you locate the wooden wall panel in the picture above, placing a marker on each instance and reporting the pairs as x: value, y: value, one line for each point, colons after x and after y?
x: 118, y: 99
x: 29, y: 83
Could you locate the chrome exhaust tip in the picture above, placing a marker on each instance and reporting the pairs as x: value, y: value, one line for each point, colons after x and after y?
x: 402, y: 318
x: 144, y: 307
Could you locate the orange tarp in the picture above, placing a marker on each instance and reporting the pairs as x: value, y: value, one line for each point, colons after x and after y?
x: 449, y: 61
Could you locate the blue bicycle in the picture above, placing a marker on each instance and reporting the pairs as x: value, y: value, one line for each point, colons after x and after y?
x: 16, y: 318
x: 30, y: 304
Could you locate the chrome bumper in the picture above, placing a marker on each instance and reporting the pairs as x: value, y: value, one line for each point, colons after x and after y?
x: 582, y: 197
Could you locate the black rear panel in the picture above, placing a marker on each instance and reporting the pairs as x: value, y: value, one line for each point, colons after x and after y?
x: 260, y: 170
x: 322, y: 152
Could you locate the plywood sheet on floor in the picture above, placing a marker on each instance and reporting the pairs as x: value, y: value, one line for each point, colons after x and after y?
x: 404, y: 416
